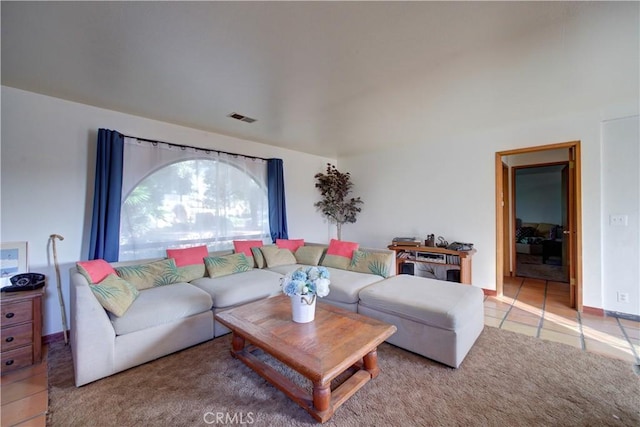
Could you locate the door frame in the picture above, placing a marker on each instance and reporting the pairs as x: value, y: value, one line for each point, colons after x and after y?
x: 575, y: 270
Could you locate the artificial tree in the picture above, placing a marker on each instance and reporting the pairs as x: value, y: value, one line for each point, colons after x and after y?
x: 336, y: 205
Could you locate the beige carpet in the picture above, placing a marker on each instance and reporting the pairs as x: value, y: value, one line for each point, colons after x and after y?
x: 507, y: 379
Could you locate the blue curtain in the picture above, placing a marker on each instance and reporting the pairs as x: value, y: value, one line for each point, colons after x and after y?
x: 277, y: 205
x: 105, y: 224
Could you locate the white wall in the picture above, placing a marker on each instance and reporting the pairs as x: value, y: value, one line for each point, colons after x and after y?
x: 621, y: 197
x: 455, y: 195
x: 47, y: 167
x: 538, y: 197
x: 565, y: 81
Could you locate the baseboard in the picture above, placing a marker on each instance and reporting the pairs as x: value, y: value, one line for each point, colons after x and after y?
x: 490, y: 292
x: 606, y: 313
x: 49, y: 339
x: 593, y: 310
x: 620, y: 315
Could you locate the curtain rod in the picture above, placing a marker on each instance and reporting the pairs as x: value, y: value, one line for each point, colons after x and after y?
x: 153, y: 141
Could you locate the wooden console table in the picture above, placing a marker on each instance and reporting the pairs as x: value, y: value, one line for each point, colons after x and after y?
x: 453, y: 259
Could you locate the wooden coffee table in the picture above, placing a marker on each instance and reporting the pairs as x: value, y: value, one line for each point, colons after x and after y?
x: 336, y: 342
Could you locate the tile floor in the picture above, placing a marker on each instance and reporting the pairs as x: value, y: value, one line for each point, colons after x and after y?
x: 541, y: 309
x: 532, y: 307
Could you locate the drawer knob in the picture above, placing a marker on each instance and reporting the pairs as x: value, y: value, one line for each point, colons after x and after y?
x: 9, y: 362
x: 9, y: 315
x: 9, y: 339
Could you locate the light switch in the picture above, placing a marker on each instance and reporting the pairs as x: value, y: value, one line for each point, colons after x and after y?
x: 618, y: 220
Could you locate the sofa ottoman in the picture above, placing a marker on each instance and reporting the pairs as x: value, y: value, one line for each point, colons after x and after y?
x: 436, y: 319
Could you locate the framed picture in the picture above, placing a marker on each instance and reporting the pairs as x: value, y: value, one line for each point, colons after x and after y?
x: 13, y: 260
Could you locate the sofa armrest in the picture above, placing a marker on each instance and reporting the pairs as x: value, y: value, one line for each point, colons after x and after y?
x: 92, y: 335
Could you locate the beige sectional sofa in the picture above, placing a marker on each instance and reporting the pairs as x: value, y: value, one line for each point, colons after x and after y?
x: 169, y: 318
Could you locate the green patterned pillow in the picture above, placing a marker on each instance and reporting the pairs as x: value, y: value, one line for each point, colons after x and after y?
x: 372, y: 262
x: 115, y: 294
x: 309, y: 255
x: 274, y: 256
x: 192, y: 272
x: 336, y: 261
x: 145, y: 276
x: 218, y: 266
x: 258, y: 258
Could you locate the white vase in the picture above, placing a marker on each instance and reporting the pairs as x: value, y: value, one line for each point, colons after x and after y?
x: 303, y: 308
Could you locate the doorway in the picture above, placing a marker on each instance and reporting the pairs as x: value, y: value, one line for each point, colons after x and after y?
x: 540, y: 212
x: 569, y: 236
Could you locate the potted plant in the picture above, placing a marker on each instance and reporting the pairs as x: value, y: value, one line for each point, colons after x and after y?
x: 303, y: 285
x: 336, y: 205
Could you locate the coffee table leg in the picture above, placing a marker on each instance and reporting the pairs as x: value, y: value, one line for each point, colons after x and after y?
x: 371, y: 363
x: 237, y: 344
x: 321, y: 396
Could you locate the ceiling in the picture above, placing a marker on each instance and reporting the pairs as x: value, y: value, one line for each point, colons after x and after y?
x: 326, y: 78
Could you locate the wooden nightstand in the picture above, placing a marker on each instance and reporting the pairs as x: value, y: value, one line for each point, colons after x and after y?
x: 21, y: 329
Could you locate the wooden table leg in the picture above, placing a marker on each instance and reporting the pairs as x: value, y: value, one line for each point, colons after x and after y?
x: 321, y: 396
x: 237, y: 344
x: 371, y: 363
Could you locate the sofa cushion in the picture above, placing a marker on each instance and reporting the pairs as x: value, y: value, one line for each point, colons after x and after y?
x: 379, y: 263
x: 218, y: 266
x: 188, y: 256
x: 342, y: 248
x: 544, y: 230
x: 161, y: 305
x: 115, y: 294
x: 275, y: 256
x: 286, y: 269
x: 228, y: 291
x: 345, y: 285
x: 258, y: 258
x: 291, y: 244
x: 309, y: 255
x: 192, y: 272
x: 339, y: 254
x: 190, y: 261
x: 433, y: 302
x: 145, y: 276
x: 335, y: 261
x: 95, y: 270
x: 246, y: 247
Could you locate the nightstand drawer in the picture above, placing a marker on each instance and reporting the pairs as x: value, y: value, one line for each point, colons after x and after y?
x: 18, y: 358
x: 17, y: 336
x: 16, y: 312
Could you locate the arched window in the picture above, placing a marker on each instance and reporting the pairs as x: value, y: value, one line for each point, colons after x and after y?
x: 211, y: 201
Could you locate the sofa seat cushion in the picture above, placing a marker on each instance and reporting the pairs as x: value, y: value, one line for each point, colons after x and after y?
x: 433, y: 302
x: 228, y: 291
x: 160, y: 305
x: 345, y: 284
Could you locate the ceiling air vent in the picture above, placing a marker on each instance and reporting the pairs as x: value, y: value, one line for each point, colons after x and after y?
x: 241, y: 118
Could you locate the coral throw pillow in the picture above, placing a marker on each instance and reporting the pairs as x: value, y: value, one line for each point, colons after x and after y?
x: 244, y: 246
x: 341, y: 248
x: 95, y: 271
x: 291, y: 244
x: 188, y: 256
